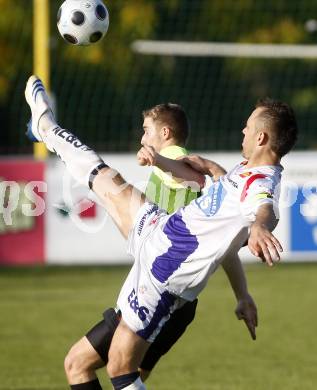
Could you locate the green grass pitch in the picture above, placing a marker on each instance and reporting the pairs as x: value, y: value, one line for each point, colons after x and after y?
x: 44, y: 310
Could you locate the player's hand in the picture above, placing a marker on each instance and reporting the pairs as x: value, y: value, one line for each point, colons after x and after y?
x: 246, y: 310
x: 263, y: 244
x: 141, y: 159
x: 146, y: 155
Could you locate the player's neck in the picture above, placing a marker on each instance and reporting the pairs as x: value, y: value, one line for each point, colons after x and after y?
x: 167, y: 143
x: 257, y: 160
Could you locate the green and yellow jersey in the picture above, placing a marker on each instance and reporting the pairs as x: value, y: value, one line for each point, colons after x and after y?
x: 164, y: 190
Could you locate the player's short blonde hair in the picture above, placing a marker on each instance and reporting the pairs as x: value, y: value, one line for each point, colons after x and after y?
x: 174, y: 117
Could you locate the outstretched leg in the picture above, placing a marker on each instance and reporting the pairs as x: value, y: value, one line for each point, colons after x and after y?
x: 121, y: 200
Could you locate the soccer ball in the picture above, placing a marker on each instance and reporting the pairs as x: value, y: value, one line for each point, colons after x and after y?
x: 82, y: 22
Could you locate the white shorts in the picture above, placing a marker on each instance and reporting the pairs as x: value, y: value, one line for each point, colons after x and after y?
x: 145, y: 304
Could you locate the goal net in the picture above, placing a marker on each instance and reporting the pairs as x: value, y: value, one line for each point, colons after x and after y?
x: 216, y: 58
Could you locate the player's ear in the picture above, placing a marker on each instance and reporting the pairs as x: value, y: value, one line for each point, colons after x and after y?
x: 166, y: 132
x: 263, y: 138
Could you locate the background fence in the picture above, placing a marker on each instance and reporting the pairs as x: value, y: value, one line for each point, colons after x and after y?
x: 101, y: 90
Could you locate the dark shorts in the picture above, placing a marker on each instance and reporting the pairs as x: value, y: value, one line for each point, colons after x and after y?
x: 171, y: 331
x: 100, y: 335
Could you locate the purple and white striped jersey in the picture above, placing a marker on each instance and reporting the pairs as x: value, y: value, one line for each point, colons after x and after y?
x: 182, y: 250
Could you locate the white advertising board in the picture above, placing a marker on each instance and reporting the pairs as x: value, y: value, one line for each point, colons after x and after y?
x: 77, y: 233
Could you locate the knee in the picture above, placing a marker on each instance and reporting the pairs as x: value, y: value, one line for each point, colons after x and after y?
x: 74, y: 363
x: 114, y: 365
x: 118, y: 363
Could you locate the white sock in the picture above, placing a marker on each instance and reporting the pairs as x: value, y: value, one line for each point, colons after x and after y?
x: 79, y: 159
x: 47, y: 122
x: 136, y: 385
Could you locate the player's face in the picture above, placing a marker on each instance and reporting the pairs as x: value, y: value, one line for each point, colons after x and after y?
x: 250, y: 134
x: 152, y: 134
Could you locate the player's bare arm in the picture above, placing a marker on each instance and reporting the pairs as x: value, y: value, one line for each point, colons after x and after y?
x: 246, y: 309
x: 205, y: 166
x: 262, y: 243
x: 178, y: 168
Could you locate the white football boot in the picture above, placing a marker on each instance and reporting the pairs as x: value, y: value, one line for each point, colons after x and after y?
x: 39, y: 103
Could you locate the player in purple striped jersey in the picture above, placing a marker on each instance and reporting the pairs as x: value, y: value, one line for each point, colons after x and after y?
x: 176, y: 254
x: 166, y: 129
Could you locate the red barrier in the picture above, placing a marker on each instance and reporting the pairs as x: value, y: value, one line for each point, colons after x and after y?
x: 22, y: 205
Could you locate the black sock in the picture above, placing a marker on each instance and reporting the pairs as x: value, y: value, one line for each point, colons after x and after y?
x: 92, y: 385
x: 122, y: 381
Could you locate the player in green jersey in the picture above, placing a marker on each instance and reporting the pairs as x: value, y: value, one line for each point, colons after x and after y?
x: 166, y: 129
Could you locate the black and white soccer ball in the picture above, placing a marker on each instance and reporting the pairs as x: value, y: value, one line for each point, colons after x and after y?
x: 83, y: 22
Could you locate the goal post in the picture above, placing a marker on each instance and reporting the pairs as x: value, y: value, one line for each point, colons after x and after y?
x: 41, y: 56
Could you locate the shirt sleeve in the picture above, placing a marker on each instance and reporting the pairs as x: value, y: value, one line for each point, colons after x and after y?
x: 259, y: 189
